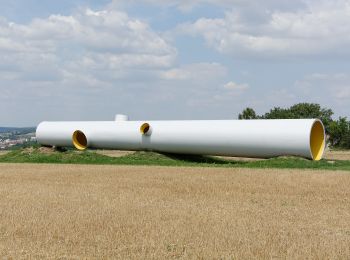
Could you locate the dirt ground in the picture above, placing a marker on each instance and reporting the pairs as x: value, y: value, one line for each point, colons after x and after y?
x: 329, y: 155
x: 114, y: 153
x: 123, y: 212
x: 337, y: 155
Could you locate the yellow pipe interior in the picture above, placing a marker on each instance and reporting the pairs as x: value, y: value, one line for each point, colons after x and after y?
x: 317, y: 141
x: 144, y: 128
x: 79, y: 140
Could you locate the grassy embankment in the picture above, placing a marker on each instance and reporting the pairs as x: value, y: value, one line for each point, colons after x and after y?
x: 151, y: 158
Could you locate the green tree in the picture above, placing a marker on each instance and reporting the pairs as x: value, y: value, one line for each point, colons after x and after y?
x: 339, y: 133
x: 300, y: 111
x: 248, y: 113
x: 346, y: 140
x: 278, y: 113
x: 311, y: 110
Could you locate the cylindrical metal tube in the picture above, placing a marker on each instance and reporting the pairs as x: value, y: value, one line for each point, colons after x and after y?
x: 245, y: 138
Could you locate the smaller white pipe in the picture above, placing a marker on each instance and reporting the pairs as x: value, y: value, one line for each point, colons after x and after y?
x: 120, y: 117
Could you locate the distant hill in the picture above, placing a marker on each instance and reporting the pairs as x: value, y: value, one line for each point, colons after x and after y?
x: 19, y: 130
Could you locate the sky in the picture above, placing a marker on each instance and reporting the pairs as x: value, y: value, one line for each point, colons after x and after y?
x: 170, y: 59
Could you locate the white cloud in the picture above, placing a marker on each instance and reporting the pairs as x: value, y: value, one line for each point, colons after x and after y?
x: 236, y: 87
x: 330, y: 89
x: 188, y: 6
x: 329, y: 86
x: 92, y: 64
x: 343, y: 93
x: 198, y: 71
x: 106, y: 40
x: 318, y: 29
x: 83, y: 63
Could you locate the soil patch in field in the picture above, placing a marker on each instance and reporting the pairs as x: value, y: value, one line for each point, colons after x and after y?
x: 114, y: 153
x: 337, y: 155
x: 329, y: 155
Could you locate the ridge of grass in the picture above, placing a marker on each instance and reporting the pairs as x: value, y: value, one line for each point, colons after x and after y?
x: 162, y: 159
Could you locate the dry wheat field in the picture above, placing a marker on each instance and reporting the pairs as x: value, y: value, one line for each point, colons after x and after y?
x: 123, y: 212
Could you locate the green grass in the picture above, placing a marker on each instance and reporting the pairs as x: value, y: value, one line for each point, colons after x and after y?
x: 151, y: 158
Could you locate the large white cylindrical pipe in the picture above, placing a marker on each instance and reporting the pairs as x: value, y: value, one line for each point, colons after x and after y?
x: 244, y: 138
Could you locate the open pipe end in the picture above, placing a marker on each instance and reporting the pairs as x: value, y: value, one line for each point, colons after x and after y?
x: 317, y: 141
x: 145, y: 129
x: 79, y: 140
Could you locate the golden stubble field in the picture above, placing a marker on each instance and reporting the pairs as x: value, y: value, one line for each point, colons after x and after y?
x: 123, y: 212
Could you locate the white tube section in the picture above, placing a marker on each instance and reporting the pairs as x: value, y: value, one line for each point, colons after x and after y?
x: 120, y: 117
x: 241, y: 138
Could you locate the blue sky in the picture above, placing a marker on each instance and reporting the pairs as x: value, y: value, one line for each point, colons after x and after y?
x: 170, y: 59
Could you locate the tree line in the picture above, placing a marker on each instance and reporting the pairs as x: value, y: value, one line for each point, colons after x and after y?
x: 337, y: 130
